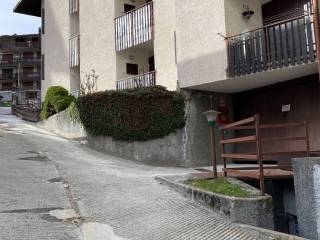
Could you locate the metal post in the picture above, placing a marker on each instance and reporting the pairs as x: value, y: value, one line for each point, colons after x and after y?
x: 19, y: 70
x: 317, y: 31
x: 259, y: 155
x: 213, y: 153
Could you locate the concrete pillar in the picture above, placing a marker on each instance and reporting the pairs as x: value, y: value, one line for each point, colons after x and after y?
x: 307, y: 188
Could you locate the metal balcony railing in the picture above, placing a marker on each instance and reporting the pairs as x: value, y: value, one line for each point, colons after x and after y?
x: 134, y: 27
x: 74, y: 51
x: 30, y: 76
x: 9, y: 76
x: 274, y: 46
x: 141, y: 80
x: 20, y: 45
x: 73, y: 6
x: 23, y: 61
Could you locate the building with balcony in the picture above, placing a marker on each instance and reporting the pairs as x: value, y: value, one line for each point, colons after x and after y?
x: 232, y: 55
x: 20, y: 62
x: 240, y: 57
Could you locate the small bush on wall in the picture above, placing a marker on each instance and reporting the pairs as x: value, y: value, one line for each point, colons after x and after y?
x: 132, y: 115
x: 57, y: 99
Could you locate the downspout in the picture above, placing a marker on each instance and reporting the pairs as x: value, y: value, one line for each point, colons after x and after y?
x: 317, y: 31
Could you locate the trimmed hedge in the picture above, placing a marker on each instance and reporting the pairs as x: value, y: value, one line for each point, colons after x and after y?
x: 57, y: 100
x: 132, y: 115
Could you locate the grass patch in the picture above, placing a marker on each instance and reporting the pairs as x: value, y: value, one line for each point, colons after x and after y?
x: 220, y: 186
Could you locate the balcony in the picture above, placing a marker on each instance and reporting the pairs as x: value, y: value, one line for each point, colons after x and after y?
x: 31, y: 61
x: 74, y: 51
x: 275, y: 46
x: 137, y: 81
x: 20, y: 45
x: 8, y: 77
x: 134, y: 27
x: 30, y: 76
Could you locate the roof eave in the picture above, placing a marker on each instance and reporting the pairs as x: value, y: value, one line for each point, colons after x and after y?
x: 28, y: 7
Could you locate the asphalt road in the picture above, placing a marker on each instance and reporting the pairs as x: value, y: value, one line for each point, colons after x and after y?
x: 52, y: 188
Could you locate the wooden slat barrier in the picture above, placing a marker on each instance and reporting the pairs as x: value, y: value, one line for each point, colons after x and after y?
x: 134, y: 27
x: 259, y: 155
x: 276, y: 45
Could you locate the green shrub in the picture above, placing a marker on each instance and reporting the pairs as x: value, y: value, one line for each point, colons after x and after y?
x: 74, y: 112
x: 132, y: 115
x: 57, y: 99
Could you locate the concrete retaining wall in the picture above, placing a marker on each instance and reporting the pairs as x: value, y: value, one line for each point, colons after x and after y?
x: 307, y: 186
x: 256, y: 211
x: 187, y: 147
x: 167, y: 151
x: 63, y: 125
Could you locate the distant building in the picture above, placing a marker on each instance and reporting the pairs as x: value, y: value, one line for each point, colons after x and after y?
x: 20, y: 62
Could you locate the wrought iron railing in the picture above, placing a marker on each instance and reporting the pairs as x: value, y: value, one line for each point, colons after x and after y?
x: 20, y: 45
x: 274, y: 46
x: 30, y: 76
x: 141, y: 80
x: 74, y: 51
x: 8, y: 76
x: 73, y: 6
x: 134, y: 27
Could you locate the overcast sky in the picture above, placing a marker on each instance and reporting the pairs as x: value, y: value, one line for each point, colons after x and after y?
x: 11, y: 23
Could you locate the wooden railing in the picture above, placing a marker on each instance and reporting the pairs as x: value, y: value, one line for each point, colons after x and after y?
x: 74, y: 51
x: 260, y: 155
x: 134, y: 27
x: 141, y: 80
x: 274, y: 46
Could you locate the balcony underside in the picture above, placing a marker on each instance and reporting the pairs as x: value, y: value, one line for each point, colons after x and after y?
x: 257, y: 80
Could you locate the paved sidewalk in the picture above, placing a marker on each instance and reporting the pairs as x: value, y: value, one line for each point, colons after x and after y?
x: 117, y: 199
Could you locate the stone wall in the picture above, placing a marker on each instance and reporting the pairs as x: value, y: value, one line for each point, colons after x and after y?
x: 255, y: 211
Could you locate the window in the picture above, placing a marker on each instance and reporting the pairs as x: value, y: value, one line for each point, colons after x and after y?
x: 132, y: 69
x: 73, y: 6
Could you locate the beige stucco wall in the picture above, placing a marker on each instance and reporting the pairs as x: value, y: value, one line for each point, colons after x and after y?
x: 164, y: 43
x: 55, y: 45
x: 98, y: 41
x: 201, y: 52
x: 235, y: 23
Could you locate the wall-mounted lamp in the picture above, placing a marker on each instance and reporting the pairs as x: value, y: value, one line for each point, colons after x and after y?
x: 247, y: 12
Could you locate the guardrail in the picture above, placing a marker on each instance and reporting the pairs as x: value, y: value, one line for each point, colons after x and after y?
x: 74, y: 51
x: 260, y: 155
x: 141, y: 80
x: 134, y: 27
x: 274, y: 46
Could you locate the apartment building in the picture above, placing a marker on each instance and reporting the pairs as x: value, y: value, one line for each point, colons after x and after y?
x: 20, y: 62
x: 240, y: 56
